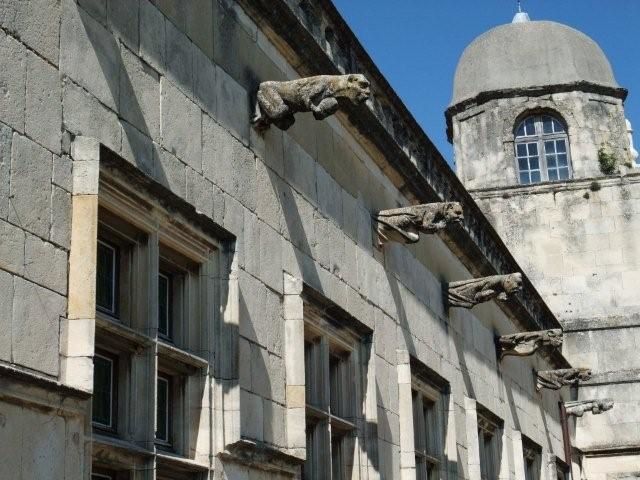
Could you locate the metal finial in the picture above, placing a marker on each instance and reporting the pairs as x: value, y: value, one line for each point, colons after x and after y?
x: 521, y: 17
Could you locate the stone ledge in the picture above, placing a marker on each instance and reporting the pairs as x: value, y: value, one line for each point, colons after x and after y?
x: 632, y: 177
x: 484, y: 97
x: 607, y: 378
x: 263, y: 456
x: 613, y: 450
x: 47, y: 383
x: 601, y: 323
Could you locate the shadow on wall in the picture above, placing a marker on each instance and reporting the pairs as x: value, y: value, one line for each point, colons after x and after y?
x: 139, y: 136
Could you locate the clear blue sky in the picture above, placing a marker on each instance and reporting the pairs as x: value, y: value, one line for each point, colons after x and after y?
x: 417, y: 44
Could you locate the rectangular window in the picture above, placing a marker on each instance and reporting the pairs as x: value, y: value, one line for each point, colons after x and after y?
x: 165, y: 303
x: 532, y: 459
x: 563, y: 470
x: 163, y: 410
x: 489, y: 439
x: 428, y: 429
x: 104, y: 385
x: 107, y: 278
x: 330, y: 397
x: 148, y: 254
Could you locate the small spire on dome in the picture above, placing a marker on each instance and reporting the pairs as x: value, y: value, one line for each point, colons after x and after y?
x: 521, y: 17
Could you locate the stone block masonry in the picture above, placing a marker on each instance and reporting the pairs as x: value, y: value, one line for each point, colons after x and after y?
x: 156, y: 97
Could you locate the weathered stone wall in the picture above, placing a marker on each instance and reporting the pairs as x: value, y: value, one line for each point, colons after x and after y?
x: 167, y: 86
x: 578, y: 243
x: 483, y: 135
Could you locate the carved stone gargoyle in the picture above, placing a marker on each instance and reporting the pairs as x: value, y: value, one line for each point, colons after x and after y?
x: 469, y: 293
x: 596, y: 407
x: 405, y: 224
x: 556, y: 379
x: 528, y: 343
x: 279, y: 101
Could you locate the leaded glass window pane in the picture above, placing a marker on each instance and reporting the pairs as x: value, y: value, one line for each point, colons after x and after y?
x: 564, y: 173
x: 562, y: 160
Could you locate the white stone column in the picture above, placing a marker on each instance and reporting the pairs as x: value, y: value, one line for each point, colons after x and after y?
x: 405, y: 409
x: 294, y: 366
x: 473, y: 446
x: 549, y: 466
x: 505, y: 446
x: 226, y: 384
x: 77, y: 331
x: 518, y: 455
x: 451, y: 440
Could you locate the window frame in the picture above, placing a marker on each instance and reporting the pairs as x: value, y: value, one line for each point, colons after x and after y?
x: 532, y: 458
x: 562, y: 470
x: 115, y: 282
x: 169, y: 333
x: 431, y: 456
x: 540, y: 139
x: 112, y: 428
x: 141, y: 225
x: 492, y: 428
x: 324, y: 428
x: 168, y: 441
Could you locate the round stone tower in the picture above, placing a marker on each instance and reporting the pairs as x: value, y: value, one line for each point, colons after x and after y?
x: 527, y: 91
x: 541, y: 141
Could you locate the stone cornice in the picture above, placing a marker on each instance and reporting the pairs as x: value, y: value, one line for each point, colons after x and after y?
x: 607, y: 378
x: 42, y: 381
x: 589, y: 183
x: 396, y: 142
x: 484, y: 97
x: 610, y: 322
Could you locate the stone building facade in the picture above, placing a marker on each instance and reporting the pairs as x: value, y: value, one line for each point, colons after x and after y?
x: 542, y: 144
x: 185, y: 296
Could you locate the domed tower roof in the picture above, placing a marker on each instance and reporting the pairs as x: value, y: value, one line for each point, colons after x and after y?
x: 529, y: 54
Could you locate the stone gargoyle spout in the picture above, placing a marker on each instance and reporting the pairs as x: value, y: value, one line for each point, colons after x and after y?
x: 405, y: 224
x: 556, y: 379
x: 528, y: 343
x: 579, y: 408
x: 278, y: 102
x: 469, y: 293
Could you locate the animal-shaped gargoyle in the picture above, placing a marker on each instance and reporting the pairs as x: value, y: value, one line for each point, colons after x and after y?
x: 279, y: 101
x: 528, y: 343
x: 556, y: 379
x: 469, y: 293
x: 405, y: 224
x: 579, y: 408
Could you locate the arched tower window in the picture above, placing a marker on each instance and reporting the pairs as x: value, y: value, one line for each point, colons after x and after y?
x: 542, y: 150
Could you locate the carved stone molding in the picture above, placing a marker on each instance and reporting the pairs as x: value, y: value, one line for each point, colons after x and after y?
x: 469, y: 293
x: 579, y: 408
x: 556, y: 379
x: 528, y: 343
x: 278, y: 102
x: 405, y: 225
